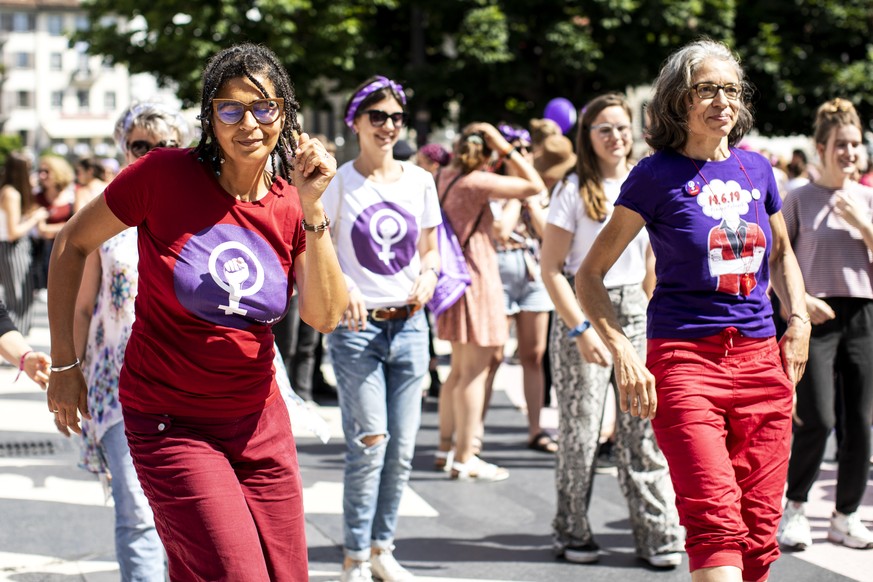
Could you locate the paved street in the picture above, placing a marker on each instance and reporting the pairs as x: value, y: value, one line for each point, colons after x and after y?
x: 56, y: 523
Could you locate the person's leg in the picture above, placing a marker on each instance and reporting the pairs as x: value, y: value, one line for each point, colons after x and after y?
x: 857, y: 375
x: 265, y: 461
x: 580, y: 389
x: 302, y: 369
x: 17, y: 283
x: 446, y: 413
x: 469, y: 393
x: 758, y: 442
x: 137, y: 545
x: 200, y: 511
x: 359, y: 359
x: 406, y: 369
x: 815, y: 409
x: 694, y: 397
x: 643, y: 473
x: 532, y: 331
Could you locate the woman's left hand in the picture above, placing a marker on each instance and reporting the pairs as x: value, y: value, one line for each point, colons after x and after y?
x: 422, y: 288
x: 794, y: 347
x: 849, y: 209
x: 313, y: 168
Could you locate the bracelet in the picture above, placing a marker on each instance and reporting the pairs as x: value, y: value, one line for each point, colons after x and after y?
x: 433, y: 270
x: 316, y: 227
x: 804, y: 318
x: 21, y: 364
x: 579, y: 329
x: 56, y: 369
x: 510, y: 152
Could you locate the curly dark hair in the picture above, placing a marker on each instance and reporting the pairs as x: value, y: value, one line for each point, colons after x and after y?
x: 247, y: 60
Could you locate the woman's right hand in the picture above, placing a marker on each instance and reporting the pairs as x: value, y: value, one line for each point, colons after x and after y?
x: 819, y: 311
x: 636, y: 385
x: 592, y: 348
x: 493, y: 138
x: 67, y: 394
x: 355, y: 316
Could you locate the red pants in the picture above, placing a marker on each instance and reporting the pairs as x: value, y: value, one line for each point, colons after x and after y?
x: 226, y: 494
x: 724, y: 424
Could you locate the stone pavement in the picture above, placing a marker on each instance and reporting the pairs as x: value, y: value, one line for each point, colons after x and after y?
x: 56, y: 522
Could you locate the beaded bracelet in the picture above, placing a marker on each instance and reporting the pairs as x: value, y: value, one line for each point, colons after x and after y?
x: 316, y: 227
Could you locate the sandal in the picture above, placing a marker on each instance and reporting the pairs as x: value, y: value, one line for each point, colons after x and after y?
x: 478, y: 470
x: 442, y: 460
x: 544, y: 443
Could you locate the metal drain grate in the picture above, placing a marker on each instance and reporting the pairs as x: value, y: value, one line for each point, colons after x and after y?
x: 27, y: 449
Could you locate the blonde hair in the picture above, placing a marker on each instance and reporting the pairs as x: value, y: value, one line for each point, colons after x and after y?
x: 60, y: 171
x: 833, y: 114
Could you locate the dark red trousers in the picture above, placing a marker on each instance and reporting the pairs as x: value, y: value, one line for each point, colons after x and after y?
x: 724, y: 425
x: 226, y: 494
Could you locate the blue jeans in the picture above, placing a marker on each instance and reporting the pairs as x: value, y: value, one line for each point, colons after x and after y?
x: 379, y: 374
x: 137, y: 545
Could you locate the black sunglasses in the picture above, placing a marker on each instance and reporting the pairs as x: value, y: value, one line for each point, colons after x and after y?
x: 379, y: 117
x: 141, y: 147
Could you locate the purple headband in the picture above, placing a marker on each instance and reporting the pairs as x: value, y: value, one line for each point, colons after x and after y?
x: 379, y: 83
x: 511, y: 134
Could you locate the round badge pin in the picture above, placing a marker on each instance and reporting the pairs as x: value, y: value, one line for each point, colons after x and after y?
x: 692, y: 188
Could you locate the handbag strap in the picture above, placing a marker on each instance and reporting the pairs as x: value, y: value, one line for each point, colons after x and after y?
x: 446, y: 218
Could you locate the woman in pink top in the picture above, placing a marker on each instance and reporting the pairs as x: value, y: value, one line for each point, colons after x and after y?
x: 829, y: 224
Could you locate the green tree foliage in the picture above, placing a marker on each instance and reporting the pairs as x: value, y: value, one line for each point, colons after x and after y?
x: 504, y: 59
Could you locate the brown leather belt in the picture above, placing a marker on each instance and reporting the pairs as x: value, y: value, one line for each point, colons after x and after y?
x: 391, y: 313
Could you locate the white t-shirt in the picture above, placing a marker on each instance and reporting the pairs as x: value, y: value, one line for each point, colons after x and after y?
x: 376, y: 228
x: 567, y: 211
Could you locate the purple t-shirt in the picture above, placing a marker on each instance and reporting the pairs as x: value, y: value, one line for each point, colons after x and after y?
x: 709, y: 225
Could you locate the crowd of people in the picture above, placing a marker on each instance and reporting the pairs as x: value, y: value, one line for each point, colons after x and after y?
x: 707, y: 294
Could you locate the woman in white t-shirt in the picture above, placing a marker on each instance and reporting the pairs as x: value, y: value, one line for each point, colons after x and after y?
x: 386, y: 213
x: 581, y: 364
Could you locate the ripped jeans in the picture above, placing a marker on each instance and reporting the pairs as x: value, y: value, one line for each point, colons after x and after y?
x: 379, y: 374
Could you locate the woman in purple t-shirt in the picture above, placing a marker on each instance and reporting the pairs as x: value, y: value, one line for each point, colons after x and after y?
x: 720, y: 384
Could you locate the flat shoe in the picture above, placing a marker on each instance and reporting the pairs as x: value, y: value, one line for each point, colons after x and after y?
x: 544, y: 443
x: 442, y: 460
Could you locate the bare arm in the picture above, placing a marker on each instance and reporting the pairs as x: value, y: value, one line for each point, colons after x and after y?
x: 85, y: 302
x: 556, y: 245
x: 650, y: 280
x: 636, y: 385
x: 35, y: 364
x: 425, y: 283
x: 16, y: 225
x: 787, y: 281
x: 83, y: 233
x: 322, y: 287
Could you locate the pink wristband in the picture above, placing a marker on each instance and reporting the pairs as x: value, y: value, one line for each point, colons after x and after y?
x: 21, y: 364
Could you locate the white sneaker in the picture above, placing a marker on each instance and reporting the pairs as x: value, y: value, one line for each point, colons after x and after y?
x: 794, y: 532
x: 849, y: 531
x: 668, y: 560
x: 387, y: 569
x: 478, y: 470
x: 442, y: 460
x: 357, y: 572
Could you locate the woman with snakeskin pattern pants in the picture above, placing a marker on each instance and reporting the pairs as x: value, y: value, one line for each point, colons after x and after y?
x: 582, y: 367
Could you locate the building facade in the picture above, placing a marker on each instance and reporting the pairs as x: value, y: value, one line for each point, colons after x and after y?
x: 53, y: 94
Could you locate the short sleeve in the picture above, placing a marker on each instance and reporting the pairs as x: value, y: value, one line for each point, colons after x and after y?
x: 789, y: 213
x: 773, y: 202
x: 130, y: 195
x: 431, y: 216
x: 562, y: 209
x: 636, y: 191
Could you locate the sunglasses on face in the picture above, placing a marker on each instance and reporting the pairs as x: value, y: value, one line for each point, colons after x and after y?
x: 605, y: 130
x: 265, y: 111
x: 379, y: 117
x: 141, y: 147
x: 709, y: 90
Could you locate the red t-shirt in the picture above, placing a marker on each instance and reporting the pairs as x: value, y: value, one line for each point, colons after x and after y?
x: 214, y: 275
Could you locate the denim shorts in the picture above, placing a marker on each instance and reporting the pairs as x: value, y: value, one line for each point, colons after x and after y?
x: 522, y: 290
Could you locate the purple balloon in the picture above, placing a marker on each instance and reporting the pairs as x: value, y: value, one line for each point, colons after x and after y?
x: 562, y: 112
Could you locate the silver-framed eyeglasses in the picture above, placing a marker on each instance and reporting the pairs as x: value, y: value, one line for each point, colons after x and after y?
x: 732, y: 91
x: 605, y: 130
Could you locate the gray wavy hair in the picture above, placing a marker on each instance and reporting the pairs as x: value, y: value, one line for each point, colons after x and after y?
x: 154, y: 117
x: 668, y: 110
